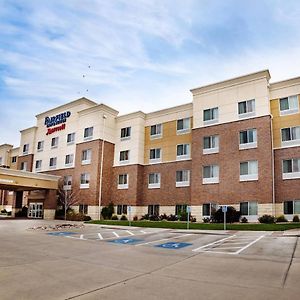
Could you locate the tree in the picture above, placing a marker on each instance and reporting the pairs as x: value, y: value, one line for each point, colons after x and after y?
x: 66, y: 198
x: 231, y: 215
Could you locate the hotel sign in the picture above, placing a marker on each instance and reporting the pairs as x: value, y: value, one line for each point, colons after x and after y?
x: 59, y: 119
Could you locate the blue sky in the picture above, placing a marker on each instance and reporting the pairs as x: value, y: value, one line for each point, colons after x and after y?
x: 143, y: 55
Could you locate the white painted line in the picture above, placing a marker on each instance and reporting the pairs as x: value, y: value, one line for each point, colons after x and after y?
x: 81, y: 237
x: 157, y: 241
x: 115, y: 234
x: 76, y: 238
x: 130, y: 232
x: 142, y: 231
x: 100, y: 236
x: 250, y: 244
x: 216, y: 242
x: 222, y: 248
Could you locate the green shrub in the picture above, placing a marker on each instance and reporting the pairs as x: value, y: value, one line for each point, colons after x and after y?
x: 87, y: 218
x: 135, y: 218
x: 266, y: 219
x: 193, y: 219
x: 172, y: 218
x: 296, y: 219
x: 281, y: 219
x: 114, y: 217
x: 108, y: 211
x: 232, y: 215
x: 72, y: 216
x: 206, y: 220
x: 244, y: 220
x: 163, y: 217
x: 123, y: 218
x: 145, y: 217
x: 9, y: 213
x: 22, y: 213
x: 154, y: 218
x: 3, y: 211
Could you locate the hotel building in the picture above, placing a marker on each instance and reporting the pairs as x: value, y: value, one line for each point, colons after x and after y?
x: 237, y: 143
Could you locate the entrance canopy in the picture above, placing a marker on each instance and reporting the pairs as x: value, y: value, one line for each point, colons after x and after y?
x: 15, y: 180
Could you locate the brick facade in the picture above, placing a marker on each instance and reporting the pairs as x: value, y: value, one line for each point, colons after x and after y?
x: 26, y: 158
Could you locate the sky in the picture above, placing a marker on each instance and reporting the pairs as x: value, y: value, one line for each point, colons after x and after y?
x: 135, y: 55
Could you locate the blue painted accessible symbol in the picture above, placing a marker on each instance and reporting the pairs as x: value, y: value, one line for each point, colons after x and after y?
x: 173, y: 245
x: 62, y: 233
x: 126, y: 241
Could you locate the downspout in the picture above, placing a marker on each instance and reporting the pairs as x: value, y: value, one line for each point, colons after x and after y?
x: 273, y: 169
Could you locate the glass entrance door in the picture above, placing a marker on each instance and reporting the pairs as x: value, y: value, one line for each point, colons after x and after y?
x: 35, y: 210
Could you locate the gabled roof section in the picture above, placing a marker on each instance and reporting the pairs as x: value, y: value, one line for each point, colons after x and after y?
x: 99, y: 107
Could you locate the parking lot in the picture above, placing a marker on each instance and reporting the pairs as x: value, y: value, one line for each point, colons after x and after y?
x: 96, y: 262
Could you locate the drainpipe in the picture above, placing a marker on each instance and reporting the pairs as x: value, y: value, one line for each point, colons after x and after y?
x: 273, y: 170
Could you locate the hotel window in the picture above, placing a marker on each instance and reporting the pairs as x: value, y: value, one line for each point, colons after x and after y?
x: 67, y: 182
x: 156, y: 131
x: 248, y: 139
x: 40, y: 146
x: 183, y: 125
x: 1, y: 161
x: 69, y: 159
x: 25, y: 148
x: 155, y: 155
x: 248, y: 208
x: 71, y: 138
x: 182, y: 178
x: 210, y: 174
x: 290, y: 136
x: 291, y: 207
x: 183, y: 151
x: 86, y: 156
x: 13, y: 159
x: 24, y: 166
x: 208, y: 209
x: 38, y: 164
x: 84, y: 180
x: 122, y: 209
x: 124, y: 156
x: 125, y: 133
x: 153, y: 210
x: 88, y: 133
x: 154, y: 181
x: 52, y: 162
x: 211, y: 115
x: 211, y: 144
x: 54, y: 142
x: 123, y: 181
x: 291, y: 168
x: 246, y: 108
x: 249, y: 170
x: 180, y: 208
x: 289, y: 105
x: 83, y: 208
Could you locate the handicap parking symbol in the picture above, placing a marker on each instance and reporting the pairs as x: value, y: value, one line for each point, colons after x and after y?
x: 173, y: 245
x: 61, y: 233
x: 126, y: 241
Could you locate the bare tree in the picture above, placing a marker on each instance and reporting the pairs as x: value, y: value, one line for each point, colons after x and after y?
x: 66, y: 198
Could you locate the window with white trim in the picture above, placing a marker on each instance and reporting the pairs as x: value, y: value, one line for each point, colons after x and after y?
x: 248, y: 139
x: 84, y: 180
x: 71, y: 138
x: 289, y: 105
x: 1, y: 161
x: 25, y: 148
x: 156, y: 131
x: 290, y: 136
x: 183, y: 151
x: 83, y: 209
x: 24, y: 165
x: 69, y: 160
x: 183, y: 125
x: 249, y: 170
x: 155, y: 155
x: 40, y: 146
x: 123, y: 181
x: 291, y: 168
x: 124, y: 156
x: 86, y: 156
x: 125, y: 133
x: 38, y: 164
x: 211, y: 144
x: 211, y: 115
x: 210, y: 174
x: 121, y: 209
x: 208, y: 209
x: 248, y: 208
x: 13, y: 159
x: 88, y: 133
x: 182, y: 178
x: 153, y: 210
x: 54, y: 142
x: 67, y: 182
x: 154, y: 181
x: 291, y: 207
x: 52, y: 162
x: 246, y: 108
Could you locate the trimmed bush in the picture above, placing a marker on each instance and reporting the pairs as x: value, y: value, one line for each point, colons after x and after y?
x: 172, y: 218
x: 281, y: 219
x: 145, y: 217
x: 296, y: 219
x: 163, y: 217
x: 244, y: 220
x: 72, y: 216
x: 206, y: 220
x: 3, y: 211
x: 114, y: 217
x: 22, y: 213
x: 135, y: 218
x: 154, y: 218
x: 266, y: 219
x: 232, y: 215
x: 108, y: 211
x: 123, y: 218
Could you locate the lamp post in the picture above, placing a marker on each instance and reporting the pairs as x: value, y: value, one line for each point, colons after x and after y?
x: 101, y: 168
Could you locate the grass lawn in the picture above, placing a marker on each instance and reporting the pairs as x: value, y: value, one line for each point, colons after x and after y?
x: 201, y: 226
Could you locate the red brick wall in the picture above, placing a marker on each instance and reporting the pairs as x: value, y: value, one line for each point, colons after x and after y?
x: 230, y: 190
x: 26, y: 158
x: 288, y: 189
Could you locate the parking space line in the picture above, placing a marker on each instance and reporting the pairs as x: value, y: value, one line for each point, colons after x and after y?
x: 100, y: 236
x: 130, y: 232
x: 157, y: 241
x: 142, y: 231
x: 115, y: 234
x: 244, y: 248
x: 216, y: 242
